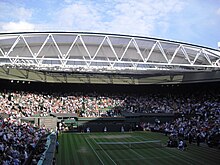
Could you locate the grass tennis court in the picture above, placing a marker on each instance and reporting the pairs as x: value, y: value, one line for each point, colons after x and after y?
x: 129, y: 149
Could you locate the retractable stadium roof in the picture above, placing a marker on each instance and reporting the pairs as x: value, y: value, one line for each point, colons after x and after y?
x: 63, y: 56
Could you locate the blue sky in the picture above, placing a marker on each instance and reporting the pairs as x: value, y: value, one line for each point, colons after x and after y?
x: 193, y: 21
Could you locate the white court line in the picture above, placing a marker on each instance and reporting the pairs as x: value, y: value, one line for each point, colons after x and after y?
x: 136, y: 153
x: 105, y: 152
x: 94, y: 151
x: 172, y: 154
x: 155, y: 157
x: 141, y: 156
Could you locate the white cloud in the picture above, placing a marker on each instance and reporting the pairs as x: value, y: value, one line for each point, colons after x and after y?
x: 22, y: 14
x: 14, y: 12
x: 118, y: 16
x: 68, y: 1
x: 79, y: 16
x: 218, y: 11
x: 17, y: 27
x: 143, y: 17
x: 159, y: 18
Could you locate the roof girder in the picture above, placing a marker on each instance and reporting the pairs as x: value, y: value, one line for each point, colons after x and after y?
x: 142, y: 61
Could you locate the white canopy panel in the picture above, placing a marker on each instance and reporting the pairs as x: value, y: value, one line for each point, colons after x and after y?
x: 60, y: 56
x: 97, y: 52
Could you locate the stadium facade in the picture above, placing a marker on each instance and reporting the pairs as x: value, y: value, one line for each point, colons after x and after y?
x: 100, y: 58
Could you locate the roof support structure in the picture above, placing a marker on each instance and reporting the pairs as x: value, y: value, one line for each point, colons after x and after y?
x: 101, y: 53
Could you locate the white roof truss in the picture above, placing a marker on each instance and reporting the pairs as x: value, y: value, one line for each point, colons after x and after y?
x: 50, y: 50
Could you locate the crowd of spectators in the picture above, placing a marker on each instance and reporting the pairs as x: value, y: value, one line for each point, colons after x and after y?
x: 199, y: 120
x: 17, y: 141
x: 26, y: 104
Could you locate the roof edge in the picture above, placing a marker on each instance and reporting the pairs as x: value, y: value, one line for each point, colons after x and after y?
x: 112, y: 34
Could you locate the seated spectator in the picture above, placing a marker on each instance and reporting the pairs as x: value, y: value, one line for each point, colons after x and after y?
x: 181, y: 145
x: 173, y: 141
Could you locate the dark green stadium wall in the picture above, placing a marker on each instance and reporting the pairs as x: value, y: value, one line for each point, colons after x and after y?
x: 108, y: 88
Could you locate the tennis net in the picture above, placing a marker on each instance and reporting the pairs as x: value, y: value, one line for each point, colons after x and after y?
x: 129, y: 145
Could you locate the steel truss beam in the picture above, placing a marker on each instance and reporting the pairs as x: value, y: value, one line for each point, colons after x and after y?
x: 90, y: 52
